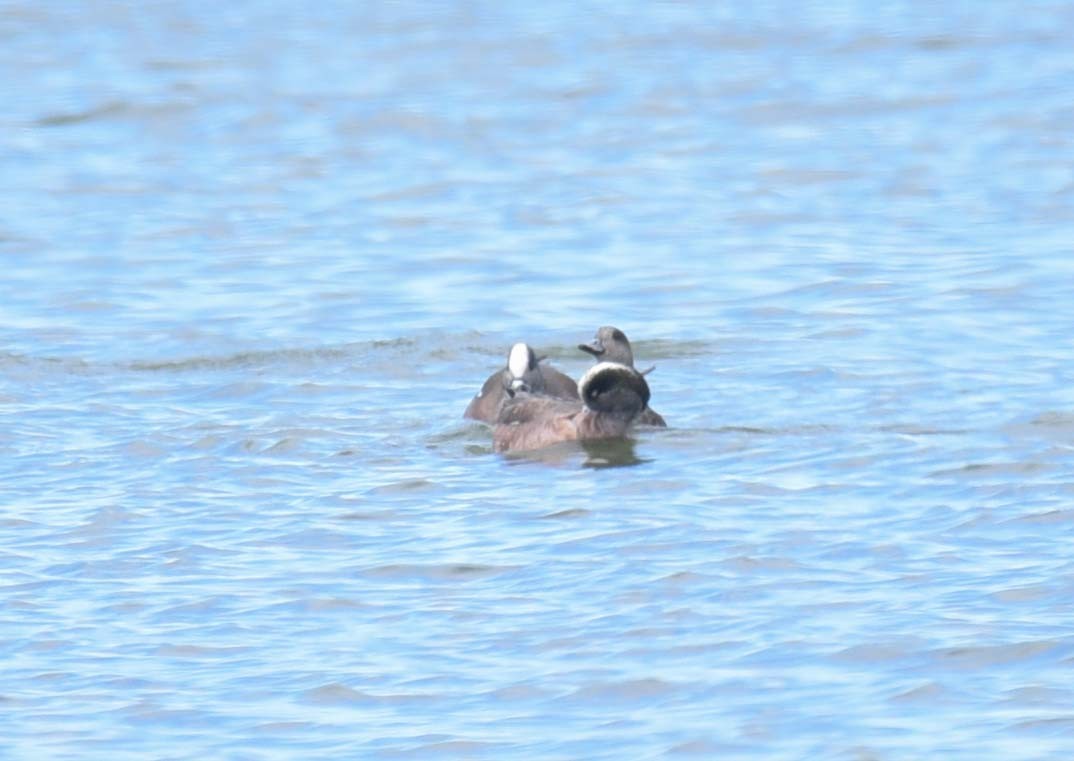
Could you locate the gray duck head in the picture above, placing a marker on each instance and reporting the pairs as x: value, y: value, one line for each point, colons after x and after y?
x: 523, y: 372
x: 610, y: 345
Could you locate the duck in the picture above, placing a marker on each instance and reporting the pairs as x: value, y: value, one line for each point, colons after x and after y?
x: 613, y: 395
x: 611, y: 345
x: 523, y: 373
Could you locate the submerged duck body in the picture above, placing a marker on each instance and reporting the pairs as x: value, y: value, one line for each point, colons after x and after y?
x: 524, y: 373
x: 613, y: 395
x: 611, y: 345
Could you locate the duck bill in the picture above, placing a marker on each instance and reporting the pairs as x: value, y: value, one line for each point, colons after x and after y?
x: 592, y: 348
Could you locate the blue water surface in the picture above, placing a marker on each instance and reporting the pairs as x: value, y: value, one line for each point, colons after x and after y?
x: 258, y: 257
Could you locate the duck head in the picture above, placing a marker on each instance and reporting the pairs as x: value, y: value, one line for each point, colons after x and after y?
x: 610, y: 345
x: 523, y: 372
x: 614, y: 389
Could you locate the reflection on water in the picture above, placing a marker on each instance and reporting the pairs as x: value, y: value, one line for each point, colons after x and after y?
x: 256, y: 260
x: 611, y: 453
x: 604, y: 453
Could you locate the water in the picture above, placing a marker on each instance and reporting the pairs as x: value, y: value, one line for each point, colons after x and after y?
x: 257, y: 259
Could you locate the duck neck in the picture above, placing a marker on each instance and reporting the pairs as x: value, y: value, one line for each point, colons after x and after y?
x: 608, y: 423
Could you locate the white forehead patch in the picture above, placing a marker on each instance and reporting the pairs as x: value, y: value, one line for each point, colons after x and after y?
x: 518, y: 361
x: 600, y: 367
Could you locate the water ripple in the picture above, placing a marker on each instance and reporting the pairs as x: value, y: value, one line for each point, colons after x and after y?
x: 256, y: 268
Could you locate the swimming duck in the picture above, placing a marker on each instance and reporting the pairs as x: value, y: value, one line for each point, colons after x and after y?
x: 611, y: 345
x: 523, y: 373
x: 613, y: 395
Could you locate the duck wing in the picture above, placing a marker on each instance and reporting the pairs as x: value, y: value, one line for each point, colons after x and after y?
x: 526, y: 408
x: 559, y: 384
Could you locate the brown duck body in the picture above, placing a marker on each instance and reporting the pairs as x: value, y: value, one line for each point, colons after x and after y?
x: 611, y: 345
x: 613, y: 396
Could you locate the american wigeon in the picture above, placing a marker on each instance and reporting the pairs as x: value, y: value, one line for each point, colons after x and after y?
x: 524, y: 372
x: 613, y: 395
x: 611, y: 345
